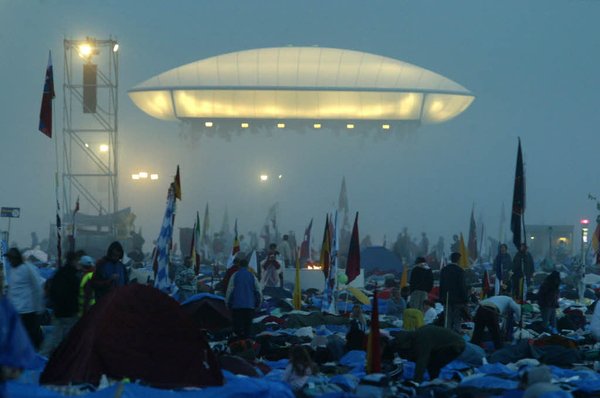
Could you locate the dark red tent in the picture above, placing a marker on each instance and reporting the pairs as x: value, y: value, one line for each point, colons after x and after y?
x: 136, y: 332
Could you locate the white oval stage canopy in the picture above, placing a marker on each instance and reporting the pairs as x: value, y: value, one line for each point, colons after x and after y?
x: 301, y: 83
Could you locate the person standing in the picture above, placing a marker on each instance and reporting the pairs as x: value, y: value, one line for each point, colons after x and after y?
x: 110, y: 271
x: 453, y: 292
x: 548, y: 299
x: 26, y: 294
x: 286, y: 251
x: 488, y: 316
x: 522, y: 273
x: 64, y: 296
x: 271, y: 271
x: 243, y: 297
x: 86, y: 292
x: 421, y: 283
x: 502, y: 265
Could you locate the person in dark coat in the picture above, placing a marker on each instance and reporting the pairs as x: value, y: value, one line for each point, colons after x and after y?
x: 63, y: 293
x: 421, y: 283
x: 502, y: 266
x: 243, y: 297
x: 110, y: 271
x: 548, y: 299
x: 430, y: 347
x: 522, y: 273
x: 453, y: 292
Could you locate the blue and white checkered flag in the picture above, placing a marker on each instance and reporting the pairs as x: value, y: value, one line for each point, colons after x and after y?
x: 163, y: 245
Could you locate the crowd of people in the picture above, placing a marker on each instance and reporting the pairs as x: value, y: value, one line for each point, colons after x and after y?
x: 432, y: 307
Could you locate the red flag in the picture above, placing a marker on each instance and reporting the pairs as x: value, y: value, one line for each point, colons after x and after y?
x: 472, y: 243
x: 177, y: 185
x: 373, y: 347
x: 353, y: 262
x: 324, y: 259
x: 47, y: 97
x: 485, y: 288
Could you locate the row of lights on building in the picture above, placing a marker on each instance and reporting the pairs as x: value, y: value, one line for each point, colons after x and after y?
x: 102, y: 147
x: 282, y: 125
x: 143, y: 175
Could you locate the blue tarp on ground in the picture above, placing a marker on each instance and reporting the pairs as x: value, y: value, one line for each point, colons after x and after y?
x: 235, y: 387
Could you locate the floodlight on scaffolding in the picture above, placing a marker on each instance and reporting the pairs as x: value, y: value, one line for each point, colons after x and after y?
x: 264, y: 177
x: 143, y: 174
x: 116, y: 47
x: 103, y: 148
x: 154, y: 177
x: 135, y: 176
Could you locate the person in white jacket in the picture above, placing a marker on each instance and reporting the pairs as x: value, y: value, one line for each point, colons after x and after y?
x: 26, y: 294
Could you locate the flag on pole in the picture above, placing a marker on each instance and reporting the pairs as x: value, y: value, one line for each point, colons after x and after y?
x: 353, y: 261
x: 464, y: 254
x: 329, y: 292
x: 443, y: 261
x: 343, y: 204
x: 195, y: 248
x: 472, y: 245
x: 305, y: 245
x: 325, y: 249
x: 177, y: 184
x: 596, y: 242
x: 58, y: 225
x: 502, y: 221
x: 297, y: 297
x: 163, y: 243
x: 253, y: 262
x: 485, y: 285
x: 373, y: 345
x: 236, y: 245
x: 518, y: 205
x: 205, y: 232
x: 45, y: 125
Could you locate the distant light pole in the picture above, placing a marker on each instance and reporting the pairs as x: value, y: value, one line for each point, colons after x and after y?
x: 584, y: 237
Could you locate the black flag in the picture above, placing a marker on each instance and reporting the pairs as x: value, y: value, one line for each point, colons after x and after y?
x: 518, y: 206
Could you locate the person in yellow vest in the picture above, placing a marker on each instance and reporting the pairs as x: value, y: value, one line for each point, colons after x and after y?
x: 86, y: 292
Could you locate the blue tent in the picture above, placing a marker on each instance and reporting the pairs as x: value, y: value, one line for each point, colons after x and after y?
x: 379, y: 260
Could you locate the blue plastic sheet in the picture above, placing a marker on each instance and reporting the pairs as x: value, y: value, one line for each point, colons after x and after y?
x: 489, y: 383
x: 354, y: 359
x: 497, y: 369
x: 15, y: 347
x: 281, y: 364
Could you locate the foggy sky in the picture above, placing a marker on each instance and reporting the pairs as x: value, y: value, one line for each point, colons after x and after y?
x: 532, y: 65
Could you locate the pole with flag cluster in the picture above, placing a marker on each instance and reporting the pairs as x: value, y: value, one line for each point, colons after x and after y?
x: 329, y: 293
x: 472, y: 245
x: 517, y: 220
x: 305, y: 249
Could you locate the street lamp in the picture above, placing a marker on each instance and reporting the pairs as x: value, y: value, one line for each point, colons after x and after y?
x: 584, y: 237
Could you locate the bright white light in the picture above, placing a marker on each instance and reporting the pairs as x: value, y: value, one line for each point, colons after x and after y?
x: 532, y: 238
x: 116, y: 47
x: 317, y: 125
x: 208, y: 124
x: 87, y: 145
x: 104, y: 148
x: 385, y: 126
x: 245, y: 125
x: 349, y: 126
x: 280, y: 125
x: 143, y: 174
x: 85, y: 50
x: 154, y: 176
x: 264, y: 177
x: 280, y: 176
x: 135, y: 176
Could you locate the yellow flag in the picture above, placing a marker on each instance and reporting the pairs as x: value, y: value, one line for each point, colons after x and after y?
x: 297, y: 298
x: 404, y: 279
x: 464, y: 254
x: 360, y: 296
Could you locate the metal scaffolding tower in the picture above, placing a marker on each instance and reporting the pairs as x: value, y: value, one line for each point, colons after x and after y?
x: 90, y: 130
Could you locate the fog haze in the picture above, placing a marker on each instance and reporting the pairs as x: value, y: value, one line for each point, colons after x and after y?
x: 532, y: 65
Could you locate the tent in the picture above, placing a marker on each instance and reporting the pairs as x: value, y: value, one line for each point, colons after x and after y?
x: 377, y: 260
x: 135, y: 332
x: 208, y: 311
